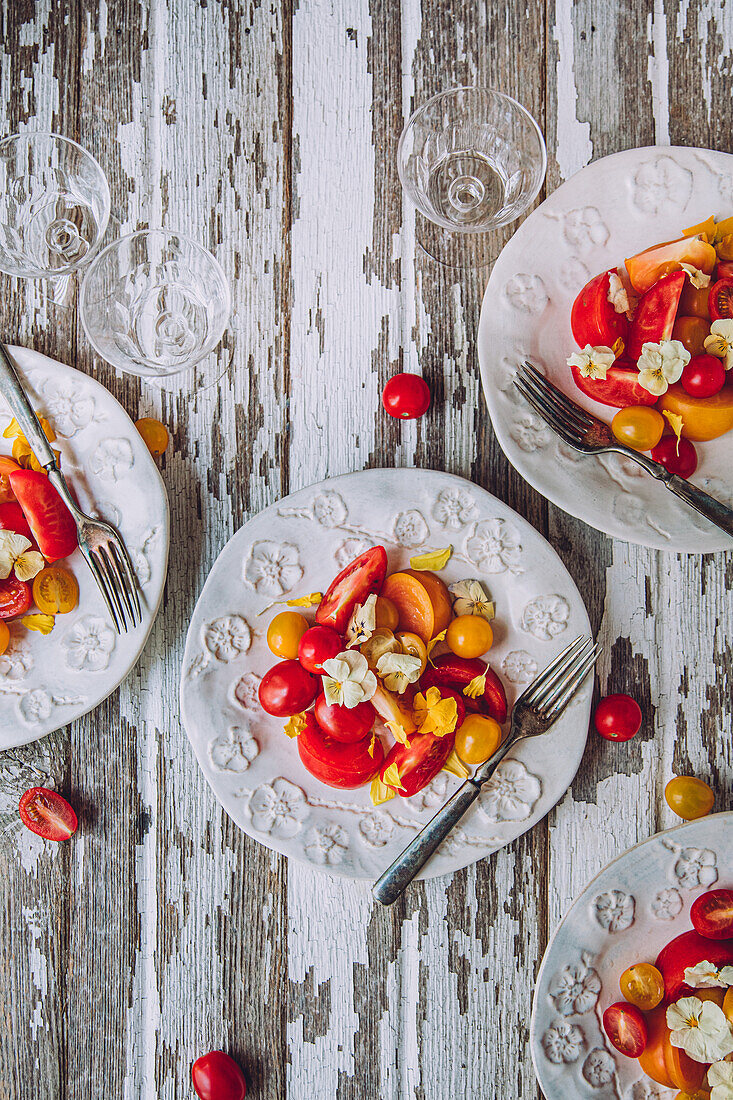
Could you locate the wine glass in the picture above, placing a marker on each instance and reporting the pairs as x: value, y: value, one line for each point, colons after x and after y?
x: 154, y: 303
x: 471, y: 160
x: 54, y: 207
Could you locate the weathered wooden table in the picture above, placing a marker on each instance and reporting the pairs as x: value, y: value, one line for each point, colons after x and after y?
x: 269, y: 132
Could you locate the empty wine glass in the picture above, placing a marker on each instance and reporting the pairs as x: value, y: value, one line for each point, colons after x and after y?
x: 154, y: 303
x: 54, y: 206
x: 471, y: 160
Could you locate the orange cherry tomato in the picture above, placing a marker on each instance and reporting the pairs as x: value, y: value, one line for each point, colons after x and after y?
x: 387, y: 614
x: 284, y: 634
x: 728, y: 1004
x: 55, y: 590
x: 7, y: 466
x: 414, y: 646
x: 469, y: 636
x: 642, y: 985
x: 689, y: 797
x: 477, y: 738
x: 691, y: 333
x: 638, y: 426
x: 694, y: 301
x: 4, y: 637
x: 155, y: 435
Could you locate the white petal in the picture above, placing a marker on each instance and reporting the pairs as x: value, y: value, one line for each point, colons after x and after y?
x: 353, y: 694
x: 368, y: 686
x: 653, y: 381
x: 332, y: 690
x: 29, y: 565
x: 337, y: 667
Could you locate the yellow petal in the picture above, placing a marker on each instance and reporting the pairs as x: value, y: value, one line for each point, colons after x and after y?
x: 380, y: 792
x: 295, y: 725
x: 724, y: 247
x: 676, y: 423
x: 618, y: 348
x: 476, y: 687
x: 311, y: 600
x: 12, y: 430
x: 29, y: 565
x: 434, y: 641
x: 398, y: 732
x: 434, y: 559
x: 372, y: 745
x: 20, y: 448
x: 392, y: 777
x: 723, y: 229
x: 455, y: 766
x: 42, y: 623
x: 707, y: 228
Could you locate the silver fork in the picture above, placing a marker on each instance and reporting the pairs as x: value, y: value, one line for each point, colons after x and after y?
x: 588, y: 434
x: 535, y: 711
x: 101, y: 545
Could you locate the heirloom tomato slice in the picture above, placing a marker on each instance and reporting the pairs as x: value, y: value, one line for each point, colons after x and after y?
x: 358, y: 580
x: 593, y: 319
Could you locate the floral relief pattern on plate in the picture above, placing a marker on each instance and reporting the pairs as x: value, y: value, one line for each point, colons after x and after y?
x: 223, y: 639
x: 661, y: 183
x: 272, y: 568
x: 510, y: 794
x: 694, y: 866
x: 234, y: 750
x: 376, y: 829
x: 599, y: 1068
x: 519, y: 666
x: 563, y: 1043
x: 576, y: 988
x: 546, y: 616
x: 37, y: 705
x: 112, y: 460
x: 453, y: 509
x: 614, y: 910
x: 245, y: 691
x: 667, y: 904
x: 583, y: 228
x: 527, y: 293
x: 494, y: 546
x: 88, y: 644
x: 70, y: 408
x: 410, y: 529
x: 278, y: 808
x: 529, y: 432
x: 327, y: 844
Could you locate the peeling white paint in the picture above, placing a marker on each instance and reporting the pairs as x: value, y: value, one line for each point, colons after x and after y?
x: 658, y: 71
x: 574, y: 148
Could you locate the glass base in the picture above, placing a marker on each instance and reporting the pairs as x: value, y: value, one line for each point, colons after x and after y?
x: 457, y: 250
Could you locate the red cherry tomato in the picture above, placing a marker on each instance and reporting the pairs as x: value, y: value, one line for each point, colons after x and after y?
x: 406, y: 396
x: 720, y: 298
x: 618, y: 717
x: 688, y: 950
x: 216, y: 1076
x: 318, y: 644
x: 724, y: 269
x: 346, y: 724
x: 419, y: 760
x: 47, y: 813
x: 358, y: 580
x: 337, y: 764
x: 683, y: 463
x: 12, y: 518
x: 15, y: 597
x: 287, y: 689
x: 655, y: 314
x: 48, y: 517
x: 457, y: 672
x: 712, y: 914
x: 703, y: 376
x: 625, y: 1026
x: 593, y: 319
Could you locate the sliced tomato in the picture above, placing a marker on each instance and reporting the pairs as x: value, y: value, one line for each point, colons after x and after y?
x: 15, y: 597
x: 337, y: 764
x: 593, y: 319
x: 12, y: 518
x: 724, y: 269
x: 457, y: 672
x: 619, y: 389
x: 684, y: 1071
x: 720, y: 298
x: 625, y: 1026
x: 47, y: 813
x: 418, y: 761
x: 646, y: 267
x: 7, y: 467
x: 655, y: 314
x: 48, y: 517
x: 652, y: 1059
x: 358, y: 580
x: 689, y: 949
x: 712, y: 914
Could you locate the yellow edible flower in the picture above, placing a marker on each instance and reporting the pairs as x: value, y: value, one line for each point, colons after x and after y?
x: 476, y: 687
x: 398, y: 731
x: 676, y: 423
x: 434, y: 714
x: 372, y: 745
x: 380, y: 792
x: 433, y: 560
x: 42, y: 623
x: 295, y: 725
x: 455, y: 766
x: 311, y: 600
x: 392, y: 777
x: 15, y: 554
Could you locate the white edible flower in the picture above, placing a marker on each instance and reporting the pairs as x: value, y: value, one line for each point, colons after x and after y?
x: 619, y: 296
x: 661, y: 364
x: 707, y: 976
x: 362, y: 623
x: 700, y: 1028
x: 15, y: 554
x: 697, y: 278
x: 720, y: 341
x: 469, y: 598
x: 348, y: 680
x: 720, y: 1078
x: 397, y: 670
x: 592, y: 362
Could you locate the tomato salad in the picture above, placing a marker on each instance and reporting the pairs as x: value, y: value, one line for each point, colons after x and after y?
x: 656, y: 342
x: 389, y: 658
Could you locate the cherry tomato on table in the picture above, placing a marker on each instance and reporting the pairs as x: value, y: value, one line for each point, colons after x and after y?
x: 406, y: 396
x: 712, y: 914
x: 335, y: 763
x: 287, y: 689
x: 643, y: 986
x: 47, y: 813
x: 689, y: 797
x: 626, y: 1027
x: 346, y: 724
x: 477, y: 738
x: 720, y: 298
x: 55, y: 590
x: 48, y: 517
x: 155, y: 435
x: 691, y: 333
x: 677, y: 456
x: 7, y: 467
x: 15, y: 597
x: 284, y: 634
x: 358, y: 580
x: 617, y: 717
x: 216, y: 1076
x: 469, y: 636
x: 318, y: 644
x: 638, y: 427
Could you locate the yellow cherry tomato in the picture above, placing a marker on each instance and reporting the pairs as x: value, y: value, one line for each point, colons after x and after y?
x: 642, y: 985
x: 55, y: 590
x: 638, y: 426
x: 414, y: 646
x: 469, y: 636
x: 155, y: 435
x: 477, y: 738
x: 387, y: 614
x: 691, y: 332
x: 284, y: 634
x: 689, y: 797
x: 4, y: 637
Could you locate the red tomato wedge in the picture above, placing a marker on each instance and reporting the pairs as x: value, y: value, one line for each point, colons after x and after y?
x: 358, y: 580
x: 337, y: 764
x: 655, y: 314
x: 618, y: 389
x: 47, y: 813
x: 725, y: 268
x: 216, y: 1076
x: 12, y: 518
x: 720, y: 298
x: 625, y: 1026
x: 457, y: 672
x: 48, y: 517
x: 418, y: 761
x: 15, y: 597
x: 689, y: 949
x: 593, y: 319
x: 712, y: 914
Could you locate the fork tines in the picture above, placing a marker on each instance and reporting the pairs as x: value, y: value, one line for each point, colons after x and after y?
x: 568, y: 419
x: 549, y: 694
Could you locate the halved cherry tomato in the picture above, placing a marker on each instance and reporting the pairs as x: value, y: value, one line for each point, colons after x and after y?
x: 12, y: 518
x: 469, y: 636
x: 703, y: 376
x: 346, y: 724
x: 406, y: 396
x: 335, y: 763
x: 284, y: 634
x: 477, y: 738
x: 694, y: 301
x: 617, y: 717
x: 358, y: 580
x: 457, y: 672
x: 48, y: 517
x: 677, y: 456
x: 618, y: 389
x: 47, y: 813
x: 626, y: 1027
x: 684, y: 1071
x: 4, y: 637
x: 720, y: 298
x: 593, y: 319
x: 685, y: 951
x: 655, y: 314
x: 418, y: 761
x: 216, y: 1076
x: 728, y: 1004
x: 643, y: 986
x: 689, y: 797
x: 712, y: 914
x: 414, y: 646
x: 287, y: 689
x: 7, y: 467
x: 15, y: 597
x: 691, y: 333
x: 318, y: 644
x: 55, y: 591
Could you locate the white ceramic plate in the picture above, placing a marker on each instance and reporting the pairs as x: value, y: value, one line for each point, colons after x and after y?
x: 609, y: 210
x: 298, y: 545
x: 637, y: 904
x: 46, y: 682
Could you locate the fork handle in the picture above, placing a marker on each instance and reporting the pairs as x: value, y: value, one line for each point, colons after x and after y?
x: 706, y: 505
x: 12, y: 390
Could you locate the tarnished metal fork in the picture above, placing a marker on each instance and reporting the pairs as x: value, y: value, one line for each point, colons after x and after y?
x: 102, y: 546
x: 590, y: 436
x: 534, y: 713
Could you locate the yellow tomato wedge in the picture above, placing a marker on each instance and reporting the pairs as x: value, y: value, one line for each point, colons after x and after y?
x: 55, y: 591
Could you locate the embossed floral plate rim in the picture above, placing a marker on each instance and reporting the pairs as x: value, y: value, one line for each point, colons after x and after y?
x: 608, y: 210
x: 48, y: 682
x: 637, y: 903
x: 255, y: 772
